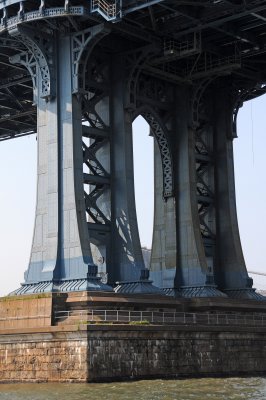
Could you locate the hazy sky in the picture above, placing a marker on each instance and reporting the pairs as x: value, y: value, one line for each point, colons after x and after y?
x: 18, y: 181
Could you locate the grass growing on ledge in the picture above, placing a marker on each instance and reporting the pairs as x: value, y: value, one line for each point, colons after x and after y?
x: 85, y: 322
x: 143, y: 322
x: 26, y: 297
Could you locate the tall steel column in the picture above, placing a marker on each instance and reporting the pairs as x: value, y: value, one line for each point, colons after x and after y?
x: 82, y: 122
x: 121, y: 246
x: 209, y: 259
x: 164, y: 243
x: 194, y: 178
x: 231, y: 273
x: 127, y: 261
x: 61, y: 256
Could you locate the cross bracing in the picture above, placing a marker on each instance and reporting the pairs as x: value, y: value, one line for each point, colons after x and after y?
x: 78, y: 72
x: 230, y: 33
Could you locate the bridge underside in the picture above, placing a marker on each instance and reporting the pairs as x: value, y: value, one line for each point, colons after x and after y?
x: 77, y: 73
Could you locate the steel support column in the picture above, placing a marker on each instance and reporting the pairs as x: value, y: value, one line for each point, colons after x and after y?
x: 61, y: 256
x: 164, y: 245
x: 195, y: 272
x: 231, y: 273
x: 127, y: 265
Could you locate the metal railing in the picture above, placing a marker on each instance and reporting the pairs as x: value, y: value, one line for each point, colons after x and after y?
x: 162, y: 318
x: 172, y: 47
x: 109, y: 10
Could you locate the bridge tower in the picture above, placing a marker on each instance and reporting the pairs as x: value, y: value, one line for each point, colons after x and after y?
x: 92, y: 67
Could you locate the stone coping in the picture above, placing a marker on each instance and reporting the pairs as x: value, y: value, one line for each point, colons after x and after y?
x: 130, y: 328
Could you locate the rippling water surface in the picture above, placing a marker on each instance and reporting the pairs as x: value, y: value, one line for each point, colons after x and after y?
x: 196, y: 389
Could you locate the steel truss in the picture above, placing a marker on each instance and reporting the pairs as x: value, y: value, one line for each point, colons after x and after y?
x: 125, y: 59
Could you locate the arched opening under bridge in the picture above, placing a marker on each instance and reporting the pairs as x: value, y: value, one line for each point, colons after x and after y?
x: 250, y: 166
x: 18, y: 195
x: 143, y: 151
x: 18, y: 175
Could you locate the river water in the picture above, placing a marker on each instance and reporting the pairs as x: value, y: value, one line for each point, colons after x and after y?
x: 196, y: 389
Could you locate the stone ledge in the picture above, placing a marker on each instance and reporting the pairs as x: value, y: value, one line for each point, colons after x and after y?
x: 132, y: 328
x: 43, y: 330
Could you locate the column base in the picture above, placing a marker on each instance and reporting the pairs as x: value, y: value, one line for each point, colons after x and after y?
x: 245, y: 294
x: 73, y: 285
x: 198, y: 291
x: 138, y: 287
x: 172, y: 292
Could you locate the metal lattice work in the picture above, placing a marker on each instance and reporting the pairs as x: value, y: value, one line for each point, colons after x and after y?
x: 37, y: 56
x: 205, y: 186
x: 38, y: 14
x: 83, y: 44
x: 163, y: 144
x: 205, y: 176
x: 135, y: 62
x: 188, y: 42
x: 154, y: 93
x: 96, y: 134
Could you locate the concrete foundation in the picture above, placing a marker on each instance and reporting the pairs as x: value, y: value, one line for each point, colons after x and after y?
x: 76, y: 350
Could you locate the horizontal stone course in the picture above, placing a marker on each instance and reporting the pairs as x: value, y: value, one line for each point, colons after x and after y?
x: 175, y: 353
x: 52, y: 358
x: 82, y: 353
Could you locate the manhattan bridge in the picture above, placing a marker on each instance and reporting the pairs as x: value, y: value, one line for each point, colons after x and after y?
x: 78, y: 73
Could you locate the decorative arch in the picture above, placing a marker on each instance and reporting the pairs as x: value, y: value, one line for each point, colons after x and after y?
x: 160, y: 133
x: 39, y: 56
x: 83, y: 44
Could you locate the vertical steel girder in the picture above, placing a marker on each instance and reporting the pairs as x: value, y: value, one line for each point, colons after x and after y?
x: 210, y: 260
x: 61, y: 256
x: 231, y: 272
x: 96, y: 159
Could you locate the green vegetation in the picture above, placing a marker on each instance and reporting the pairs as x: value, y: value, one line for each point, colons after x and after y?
x: 85, y: 322
x: 26, y: 297
x: 143, y: 322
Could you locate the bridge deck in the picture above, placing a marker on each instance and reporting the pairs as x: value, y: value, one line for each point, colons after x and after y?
x: 194, y: 40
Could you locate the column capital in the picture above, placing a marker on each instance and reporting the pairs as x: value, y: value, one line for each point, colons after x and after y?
x: 39, y: 59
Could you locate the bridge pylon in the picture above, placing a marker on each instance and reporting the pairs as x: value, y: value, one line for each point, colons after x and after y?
x: 93, y: 71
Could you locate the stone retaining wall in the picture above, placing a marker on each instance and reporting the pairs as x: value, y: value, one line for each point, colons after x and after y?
x: 175, y: 352
x: 104, y: 353
x: 19, y: 312
x: 44, y: 357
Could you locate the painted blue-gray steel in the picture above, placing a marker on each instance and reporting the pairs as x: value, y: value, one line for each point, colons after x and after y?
x: 87, y: 91
x: 61, y: 255
x: 131, y: 6
x: 111, y: 10
x: 114, y: 10
x: 6, y: 3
